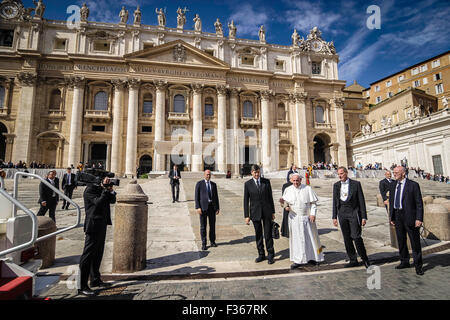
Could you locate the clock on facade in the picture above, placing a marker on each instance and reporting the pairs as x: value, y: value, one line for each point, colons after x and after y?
x: 9, y: 10
x: 316, y: 45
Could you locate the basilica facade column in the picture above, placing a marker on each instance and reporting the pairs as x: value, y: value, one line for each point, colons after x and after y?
x: 76, y: 120
x: 197, y: 134
x: 117, y: 130
x: 338, y: 104
x: 131, y: 148
x: 266, y: 130
x: 301, y: 130
x: 160, y: 112
x: 221, y: 128
x: 234, y: 123
x: 24, y: 127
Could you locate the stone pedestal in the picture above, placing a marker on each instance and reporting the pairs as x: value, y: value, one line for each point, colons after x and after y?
x: 427, y: 200
x: 46, y: 248
x: 130, y: 230
x: 437, y: 222
x: 446, y: 204
x: 439, y: 200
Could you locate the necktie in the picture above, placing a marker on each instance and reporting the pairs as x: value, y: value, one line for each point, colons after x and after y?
x: 397, y: 197
x: 209, y: 191
x: 68, y: 180
x: 257, y: 183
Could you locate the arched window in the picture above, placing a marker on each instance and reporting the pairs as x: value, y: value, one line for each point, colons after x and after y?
x: 179, y: 104
x: 281, y: 112
x: 2, y: 97
x: 248, y: 109
x: 319, y: 114
x: 55, y: 100
x: 209, y: 107
x: 101, y: 101
x: 148, y: 104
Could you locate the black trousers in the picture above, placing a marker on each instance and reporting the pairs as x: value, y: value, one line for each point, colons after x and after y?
x: 175, y: 191
x: 211, y: 216
x: 91, y: 258
x: 68, y: 191
x: 351, y: 231
x: 51, y: 207
x: 265, y: 224
x: 402, y: 229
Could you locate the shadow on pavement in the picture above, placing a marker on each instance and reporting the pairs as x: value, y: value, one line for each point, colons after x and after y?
x: 442, y: 260
x: 247, y: 239
x: 175, y: 259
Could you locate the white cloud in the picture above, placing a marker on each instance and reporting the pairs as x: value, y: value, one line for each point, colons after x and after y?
x: 248, y: 21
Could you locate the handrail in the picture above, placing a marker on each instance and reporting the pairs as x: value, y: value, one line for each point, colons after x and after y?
x: 34, y: 231
x: 77, y: 207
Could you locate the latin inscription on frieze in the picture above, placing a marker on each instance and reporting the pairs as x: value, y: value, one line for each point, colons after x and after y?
x: 176, y: 72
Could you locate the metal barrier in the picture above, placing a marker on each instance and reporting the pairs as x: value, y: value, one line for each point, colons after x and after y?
x: 77, y: 207
x: 34, y: 231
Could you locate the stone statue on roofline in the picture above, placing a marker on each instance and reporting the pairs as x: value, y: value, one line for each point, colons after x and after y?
x: 161, y: 17
x: 84, y: 13
x: 233, y: 29
x: 123, y: 15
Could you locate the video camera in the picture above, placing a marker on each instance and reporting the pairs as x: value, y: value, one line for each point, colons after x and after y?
x: 95, y: 177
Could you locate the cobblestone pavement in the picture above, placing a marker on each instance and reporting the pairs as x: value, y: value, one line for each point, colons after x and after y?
x: 343, y: 284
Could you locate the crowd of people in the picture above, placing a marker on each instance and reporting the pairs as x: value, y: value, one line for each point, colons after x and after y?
x: 23, y: 165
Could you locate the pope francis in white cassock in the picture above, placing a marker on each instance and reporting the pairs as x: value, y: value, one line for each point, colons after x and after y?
x: 304, y: 244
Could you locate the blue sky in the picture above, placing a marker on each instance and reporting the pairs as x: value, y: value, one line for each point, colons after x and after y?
x: 411, y: 31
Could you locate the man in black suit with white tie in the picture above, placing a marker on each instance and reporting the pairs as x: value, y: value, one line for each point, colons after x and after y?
x: 175, y: 177
x: 68, y: 185
x: 406, y: 213
x: 207, y: 206
x: 48, y: 199
x: 350, y: 208
x: 384, y: 187
x: 259, y: 207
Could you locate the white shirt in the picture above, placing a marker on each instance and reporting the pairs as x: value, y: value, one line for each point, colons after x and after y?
x: 257, y: 181
x: 344, y: 189
x: 402, y: 186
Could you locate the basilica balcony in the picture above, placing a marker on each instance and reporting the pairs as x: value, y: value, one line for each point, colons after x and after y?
x: 3, y: 112
x: 98, y: 115
x: 56, y: 114
x: 250, y: 122
x: 209, y: 118
x: 284, y: 123
x: 319, y: 125
x: 178, y: 117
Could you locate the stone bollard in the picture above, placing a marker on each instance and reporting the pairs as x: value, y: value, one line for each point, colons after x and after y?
x: 427, y: 200
x: 439, y: 200
x: 46, y: 248
x: 437, y: 222
x: 380, y: 202
x: 130, y: 230
x: 446, y: 204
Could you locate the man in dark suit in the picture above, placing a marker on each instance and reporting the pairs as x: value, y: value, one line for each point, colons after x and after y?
x: 48, y: 199
x: 384, y: 187
x: 175, y: 177
x: 285, y: 222
x: 406, y: 213
x: 259, y: 207
x: 97, y: 201
x: 207, y: 206
x: 68, y: 185
x: 350, y: 208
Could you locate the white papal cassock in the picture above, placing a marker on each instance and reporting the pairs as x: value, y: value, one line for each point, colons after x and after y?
x: 304, y: 243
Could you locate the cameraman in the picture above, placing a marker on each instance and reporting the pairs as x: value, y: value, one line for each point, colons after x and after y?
x: 97, y: 200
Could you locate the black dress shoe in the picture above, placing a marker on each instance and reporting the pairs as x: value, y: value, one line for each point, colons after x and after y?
x: 101, y: 284
x: 260, y: 258
x: 173, y: 201
x: 204, y: 247
x: 419, y: 271
x: 366, y: 263
x: 351, y: 264
x: 295, y: 266
x: 213, y: 244
x: 87, y: 292
x: 270, y: 260
x: 403, y: 266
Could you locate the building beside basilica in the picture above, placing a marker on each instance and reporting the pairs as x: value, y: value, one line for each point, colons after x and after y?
x: 133, y: 95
